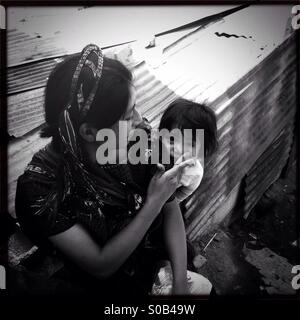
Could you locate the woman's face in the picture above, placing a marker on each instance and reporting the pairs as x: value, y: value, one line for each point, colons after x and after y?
x: 130, y: 119
x: 124, y: 128
x: 130, y: 115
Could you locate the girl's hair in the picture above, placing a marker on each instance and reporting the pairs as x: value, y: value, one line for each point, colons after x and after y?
x: 185, y: 114
x: 110, y: 101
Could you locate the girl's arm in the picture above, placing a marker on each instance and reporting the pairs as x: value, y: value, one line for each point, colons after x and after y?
x: 175, y: 240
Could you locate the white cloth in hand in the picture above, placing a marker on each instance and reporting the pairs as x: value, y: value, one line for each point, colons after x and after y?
x: 190, y: 180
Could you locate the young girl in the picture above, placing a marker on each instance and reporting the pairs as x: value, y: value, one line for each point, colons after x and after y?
x: 181, y: 114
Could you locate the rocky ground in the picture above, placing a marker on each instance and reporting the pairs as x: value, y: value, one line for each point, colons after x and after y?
x: 256, y: 256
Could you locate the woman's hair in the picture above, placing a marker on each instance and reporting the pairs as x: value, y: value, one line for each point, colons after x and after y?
x: 185, y: 114
x: 110, y: 101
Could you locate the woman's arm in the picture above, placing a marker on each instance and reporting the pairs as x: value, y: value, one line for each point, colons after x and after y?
x: 175, y: 240
x: 77, y: 244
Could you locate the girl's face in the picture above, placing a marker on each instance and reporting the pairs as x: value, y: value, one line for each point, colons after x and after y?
x: 178, y: 148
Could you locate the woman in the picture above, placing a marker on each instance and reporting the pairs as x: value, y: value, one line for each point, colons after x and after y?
x: 89, y: 211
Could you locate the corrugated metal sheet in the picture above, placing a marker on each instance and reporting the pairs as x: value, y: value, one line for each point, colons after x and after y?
x: 267, y: 168
x: 37, y: 32
x: 250, y: 124
x: 32, y: 47
x: 251, y: 112
x: 29, y: 76
x: 25, y: 111
x: 265, y: 99
x: 26, y: 80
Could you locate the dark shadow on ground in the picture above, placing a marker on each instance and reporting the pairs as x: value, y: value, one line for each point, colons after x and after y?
x: 255, y: 256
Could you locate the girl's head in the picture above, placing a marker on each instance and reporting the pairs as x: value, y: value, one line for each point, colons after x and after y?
x: 185, y: 114
x: 114, y: 99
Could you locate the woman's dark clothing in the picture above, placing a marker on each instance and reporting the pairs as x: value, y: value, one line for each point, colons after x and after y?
x: 43, y: 210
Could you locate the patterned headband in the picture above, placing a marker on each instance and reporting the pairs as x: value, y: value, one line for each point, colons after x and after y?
x: 66, y: 126
x: 96, y: 69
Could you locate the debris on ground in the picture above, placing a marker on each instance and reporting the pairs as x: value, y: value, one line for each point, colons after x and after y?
x: 256, y: 256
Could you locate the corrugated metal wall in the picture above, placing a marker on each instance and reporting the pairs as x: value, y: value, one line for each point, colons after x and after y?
x: 255, y: 118
x: 267, y: 168
x: 248, y: 126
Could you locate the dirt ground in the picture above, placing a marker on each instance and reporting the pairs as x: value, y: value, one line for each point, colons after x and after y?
x: 255, y: 256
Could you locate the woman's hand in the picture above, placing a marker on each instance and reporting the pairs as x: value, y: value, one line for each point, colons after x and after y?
x: 164, y: 183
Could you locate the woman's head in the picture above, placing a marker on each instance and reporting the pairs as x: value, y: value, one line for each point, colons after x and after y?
x: 110, y: 104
